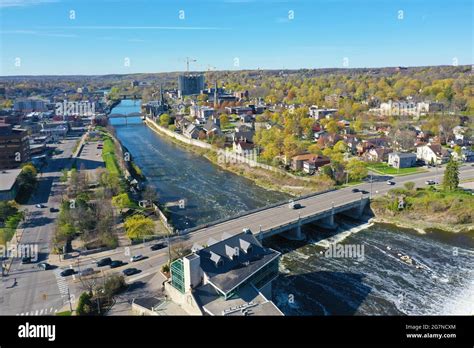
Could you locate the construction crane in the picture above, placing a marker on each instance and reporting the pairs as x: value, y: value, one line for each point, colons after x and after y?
x: 187, y: 62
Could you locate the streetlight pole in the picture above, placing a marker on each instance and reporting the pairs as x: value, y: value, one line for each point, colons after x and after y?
x: 69, y: 297
x: 371, y: 181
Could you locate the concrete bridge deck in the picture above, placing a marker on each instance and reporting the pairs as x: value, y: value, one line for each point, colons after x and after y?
x: 281, y: 218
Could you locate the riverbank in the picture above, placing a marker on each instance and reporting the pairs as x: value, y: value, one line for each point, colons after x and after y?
x: 425, y: 209
x: 422, y: 226
x: 267, y: 179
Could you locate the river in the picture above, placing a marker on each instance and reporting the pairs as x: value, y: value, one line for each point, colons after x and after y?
x: 311, y: 283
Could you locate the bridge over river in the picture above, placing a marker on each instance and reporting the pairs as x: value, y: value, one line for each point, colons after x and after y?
x: 280, y: 218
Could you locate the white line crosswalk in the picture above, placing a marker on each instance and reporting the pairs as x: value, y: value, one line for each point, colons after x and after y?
x: 39, y: 312
x: 62, y: 285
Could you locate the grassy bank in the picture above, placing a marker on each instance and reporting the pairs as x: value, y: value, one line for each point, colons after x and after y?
x: 109, y: 157
x: 426, y: 208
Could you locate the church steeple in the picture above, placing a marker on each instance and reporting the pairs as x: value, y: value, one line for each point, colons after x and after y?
x: 215, y: 95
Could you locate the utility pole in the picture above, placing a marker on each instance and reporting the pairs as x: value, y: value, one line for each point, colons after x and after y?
x: 169, y: 251
x: 371, y: 186
x: 69, y: 297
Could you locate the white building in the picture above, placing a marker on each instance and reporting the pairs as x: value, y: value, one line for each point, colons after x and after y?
x: 432, y: 154
x: 318, y: 113
x: 407, y: 108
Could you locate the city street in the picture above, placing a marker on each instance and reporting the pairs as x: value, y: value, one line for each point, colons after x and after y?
x: 154, y: 259
x: 27, y: 289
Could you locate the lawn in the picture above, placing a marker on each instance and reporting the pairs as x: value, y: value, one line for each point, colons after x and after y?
x: 108, y: 155
x: 11, y: 223
x: 384, y: 168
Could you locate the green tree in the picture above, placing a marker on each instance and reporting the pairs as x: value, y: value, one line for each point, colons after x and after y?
x: 451, y: 175
x: 357, y: 169
x: 357, y: 125
x: 224, y: 119
x: 84, y: 305
x: 332, y: 127
x: 139, y: 226
x: 165, y: 120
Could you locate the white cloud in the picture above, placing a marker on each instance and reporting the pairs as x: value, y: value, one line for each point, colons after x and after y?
x: 37, y: 33
x: 108, y: 27
x: 23, y: 3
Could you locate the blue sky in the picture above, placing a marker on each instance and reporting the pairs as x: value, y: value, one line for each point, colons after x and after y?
x: 267, y: 34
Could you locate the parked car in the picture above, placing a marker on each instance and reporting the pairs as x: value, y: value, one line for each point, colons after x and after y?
x: 130, y: 271
x: 86, y: 272
x: 44, y: 266
x: 67, y: 272
x: 26, y: 260
x: 430, y: 182
x: 117, y: 263
x: 364, y: 192
x: 136, y: 258
x: 53, y: 210
x: 40, y: 206
x: 355, y: 190
x: 390, y: 182
x: 104, y: 262
x: 157, y: 246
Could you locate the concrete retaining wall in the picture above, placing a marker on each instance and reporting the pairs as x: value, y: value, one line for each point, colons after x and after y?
x: 186, y: 301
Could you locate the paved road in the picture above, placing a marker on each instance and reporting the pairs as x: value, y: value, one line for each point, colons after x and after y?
x: 155, y: 259
x: 27, y: 295
x: 27, y: 289
x: 281, y: 215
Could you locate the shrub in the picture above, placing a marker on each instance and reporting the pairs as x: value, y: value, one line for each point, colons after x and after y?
x: 84, y: 305
x: 113, y: 285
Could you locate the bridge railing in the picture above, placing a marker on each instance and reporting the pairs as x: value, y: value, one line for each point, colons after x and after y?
x: 312, y: 217
x: 253, y: 211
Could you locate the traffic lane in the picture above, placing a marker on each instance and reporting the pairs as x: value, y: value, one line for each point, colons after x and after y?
x: 147, y: 267
x: 36, y: 233
x: 81, y: 264
x: 280, y: 215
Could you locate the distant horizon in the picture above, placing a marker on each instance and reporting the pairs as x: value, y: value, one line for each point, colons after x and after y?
x: 242, y: 70
x: 116, y: 37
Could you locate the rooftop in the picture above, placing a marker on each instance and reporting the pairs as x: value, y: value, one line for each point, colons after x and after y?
x: 8, y: 178
x: 248, y: 301
x: 226, y: 270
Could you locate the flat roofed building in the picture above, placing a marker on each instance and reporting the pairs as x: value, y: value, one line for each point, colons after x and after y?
x: 8, y: 184
x: 14, y: 146
x: 190, y: 85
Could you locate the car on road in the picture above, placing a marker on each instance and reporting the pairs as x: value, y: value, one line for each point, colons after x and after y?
x: 44, y: 266
x: 157, y: 246
x: 390, y: 182
x: 86, y: 272
x: 40, y: 206
x: 117, y: 263
x: 67, y: 272
x: 130, y: 271
x: 430, y: 182
x: 137, y: 258
x: 104, y: 262
x: 293, y: 205
x: 355, y: 190
x: 25, y: 260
